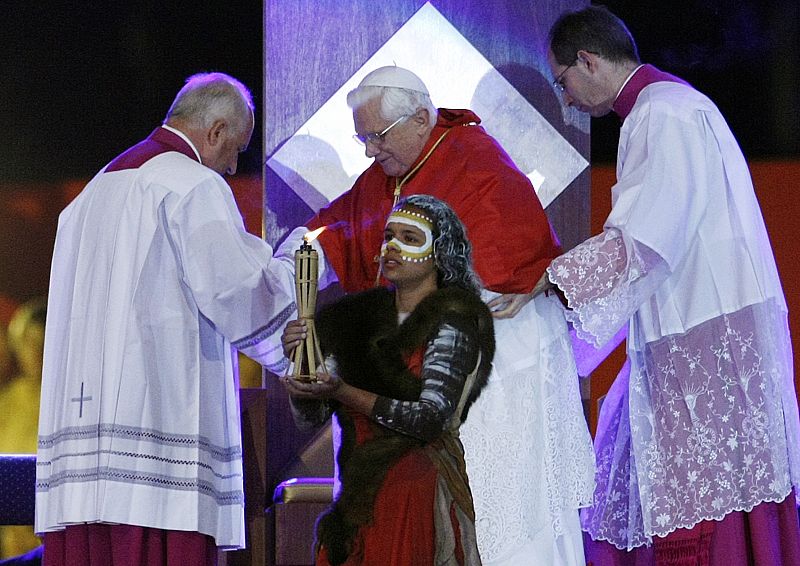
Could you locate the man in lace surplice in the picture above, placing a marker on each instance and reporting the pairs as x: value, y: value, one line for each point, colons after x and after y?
x: 699, y: 435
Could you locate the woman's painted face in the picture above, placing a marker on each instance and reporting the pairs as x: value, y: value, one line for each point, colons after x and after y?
x: 407, y: 250
x: 410, y: 234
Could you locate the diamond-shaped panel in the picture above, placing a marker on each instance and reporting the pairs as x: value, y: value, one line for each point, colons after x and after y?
x: 321, y: 160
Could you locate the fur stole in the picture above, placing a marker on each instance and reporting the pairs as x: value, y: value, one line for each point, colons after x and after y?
x: 361, y: 332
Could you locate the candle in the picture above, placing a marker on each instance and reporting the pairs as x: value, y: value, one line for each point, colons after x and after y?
x: 307, y: 355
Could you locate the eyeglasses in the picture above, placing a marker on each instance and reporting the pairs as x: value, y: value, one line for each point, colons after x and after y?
x: 558, y: 83
x: 376, y: 138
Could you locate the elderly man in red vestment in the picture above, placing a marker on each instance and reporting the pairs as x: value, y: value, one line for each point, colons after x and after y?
x: 530, y: 467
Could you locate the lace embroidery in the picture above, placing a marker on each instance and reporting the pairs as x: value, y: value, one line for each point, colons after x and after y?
x: 532, y: 416
x: 599, y: 278
x: 710, y: 430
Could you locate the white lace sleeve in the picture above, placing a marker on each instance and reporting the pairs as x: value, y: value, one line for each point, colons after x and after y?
x: 605, y: 279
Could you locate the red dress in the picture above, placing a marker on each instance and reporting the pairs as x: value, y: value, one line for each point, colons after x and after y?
x: 403, y: 531
x: 405, y: 497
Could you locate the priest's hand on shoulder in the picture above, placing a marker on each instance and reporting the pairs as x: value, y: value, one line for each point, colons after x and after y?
x: 508, y: 305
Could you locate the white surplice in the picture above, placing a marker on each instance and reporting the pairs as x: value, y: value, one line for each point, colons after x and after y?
x: 706, y: 422
x: 527, y: 447
x: 154, y: 282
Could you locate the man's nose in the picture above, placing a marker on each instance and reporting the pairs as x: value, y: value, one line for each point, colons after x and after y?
x: 233, y: 166
x: 371, y: 149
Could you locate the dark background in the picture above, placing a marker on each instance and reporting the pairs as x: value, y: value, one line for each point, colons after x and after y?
x: 84, y: 80
x: 744, y: 54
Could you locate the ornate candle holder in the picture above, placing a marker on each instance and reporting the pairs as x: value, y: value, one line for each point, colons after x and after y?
x: 308, y: 355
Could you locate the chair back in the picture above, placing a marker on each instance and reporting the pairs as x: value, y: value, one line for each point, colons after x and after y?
x: 17, y: 489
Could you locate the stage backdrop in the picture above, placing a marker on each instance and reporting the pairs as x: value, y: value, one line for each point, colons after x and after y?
x: 489, y: 56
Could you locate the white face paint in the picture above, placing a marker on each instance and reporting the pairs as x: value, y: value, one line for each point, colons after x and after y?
x: 409, y: 252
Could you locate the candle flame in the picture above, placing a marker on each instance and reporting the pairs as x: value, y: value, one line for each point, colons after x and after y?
x: 311, y: 236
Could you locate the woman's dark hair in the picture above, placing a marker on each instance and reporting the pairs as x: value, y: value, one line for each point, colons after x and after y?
x: 451, y: 248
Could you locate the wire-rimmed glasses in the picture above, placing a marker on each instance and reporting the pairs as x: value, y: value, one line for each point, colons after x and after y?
x: 558, y: 82
x: 376, y: 138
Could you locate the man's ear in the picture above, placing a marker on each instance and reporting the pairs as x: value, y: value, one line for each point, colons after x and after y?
x: 421, y: 118
x: 216, y: 131
x: 587, y: 59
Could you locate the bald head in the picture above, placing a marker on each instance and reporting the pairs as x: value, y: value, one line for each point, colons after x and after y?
x: 207, y: 97
x: 215, y: 111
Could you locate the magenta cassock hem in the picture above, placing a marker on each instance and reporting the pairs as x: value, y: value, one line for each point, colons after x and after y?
x: 769, y: 535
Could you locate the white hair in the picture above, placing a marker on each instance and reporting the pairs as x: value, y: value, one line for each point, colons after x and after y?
x: 395, y: 101
x: 207, y: 97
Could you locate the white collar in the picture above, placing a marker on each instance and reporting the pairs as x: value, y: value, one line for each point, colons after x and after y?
x: 184, y: 138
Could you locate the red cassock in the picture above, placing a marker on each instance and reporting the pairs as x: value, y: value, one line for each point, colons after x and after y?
x: 512, y: 239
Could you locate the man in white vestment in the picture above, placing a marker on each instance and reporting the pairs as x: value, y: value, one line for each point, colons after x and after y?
x: 154, y: 286
x: 698, y: 441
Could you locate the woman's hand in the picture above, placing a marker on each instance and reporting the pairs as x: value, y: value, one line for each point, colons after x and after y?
x: 293, y: 335
x: 325, y: 387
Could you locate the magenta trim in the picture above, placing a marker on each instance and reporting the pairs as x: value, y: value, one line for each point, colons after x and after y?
x: 645, y: 75
x: 158, y: 142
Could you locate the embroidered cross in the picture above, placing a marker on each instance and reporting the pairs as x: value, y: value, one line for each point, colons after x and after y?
x: 81, y: 399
